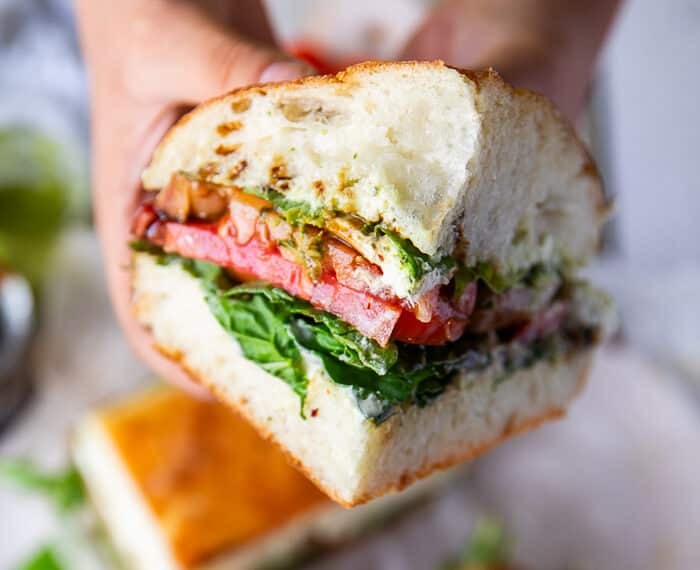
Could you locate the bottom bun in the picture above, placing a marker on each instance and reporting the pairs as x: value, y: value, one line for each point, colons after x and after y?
x: 348, y: 456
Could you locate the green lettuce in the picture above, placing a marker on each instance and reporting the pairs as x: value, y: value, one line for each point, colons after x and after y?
x: 65, y: 488
x: 416, y: 263
x: 272, y: 326
x: 488, y: 546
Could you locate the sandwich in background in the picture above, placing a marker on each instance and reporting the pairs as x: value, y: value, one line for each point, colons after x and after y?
x: 181, y: 483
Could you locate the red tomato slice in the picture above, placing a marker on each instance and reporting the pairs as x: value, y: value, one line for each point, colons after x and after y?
x: 372, y: 316
x: 253, y: 260
x: 447, y: 324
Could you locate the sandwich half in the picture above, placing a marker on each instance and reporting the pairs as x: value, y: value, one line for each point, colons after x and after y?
x: 183, y: 484
x: 378, y: 269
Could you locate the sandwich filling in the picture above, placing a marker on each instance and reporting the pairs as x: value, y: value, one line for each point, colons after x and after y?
x: 382, y: 316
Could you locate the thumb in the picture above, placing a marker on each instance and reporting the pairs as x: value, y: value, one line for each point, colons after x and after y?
x: 198, y: 58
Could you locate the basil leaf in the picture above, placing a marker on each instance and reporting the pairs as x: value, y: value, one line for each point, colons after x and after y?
x: 263, y: 335
x: 488, y: 544
x: 64, y: 488
x: 294, y: 211
x: 325, y: 332
x: 416, y: 263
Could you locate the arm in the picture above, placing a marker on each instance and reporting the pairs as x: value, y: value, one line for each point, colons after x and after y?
x: 549, y: 46
x: 148, y: 61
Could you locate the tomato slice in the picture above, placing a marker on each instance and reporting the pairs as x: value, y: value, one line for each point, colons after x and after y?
x: 446, y: 325
x: 247, y: 248
x: 372, y: 316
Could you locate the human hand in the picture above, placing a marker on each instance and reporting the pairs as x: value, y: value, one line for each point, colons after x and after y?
x: 149, y: 61
x: 549, y: 46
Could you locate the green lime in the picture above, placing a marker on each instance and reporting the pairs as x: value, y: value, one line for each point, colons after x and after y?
x: 37, y: 182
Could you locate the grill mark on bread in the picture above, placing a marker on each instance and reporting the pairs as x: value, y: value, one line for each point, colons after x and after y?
x: 318, y: 186
x: 226, y: 149
x: 240, y: 105
x: 237, y: 169
x: 279, y: 172
x: 229, y: 127
x: 208, y: 170
x: 279, y: 175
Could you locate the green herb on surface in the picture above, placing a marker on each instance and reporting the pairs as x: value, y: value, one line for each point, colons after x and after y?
x: 44, y: 559
x: 294, y: 211
x: 416, y: 263
x: 65, y: 488
x: 487, y: 546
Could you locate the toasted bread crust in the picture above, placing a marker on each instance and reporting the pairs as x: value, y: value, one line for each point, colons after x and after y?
x: 342, y: 77
x: 407, y: 478
x: 477, y: 77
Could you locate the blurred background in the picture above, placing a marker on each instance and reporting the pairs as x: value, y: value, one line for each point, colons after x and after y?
x: 614, y: 485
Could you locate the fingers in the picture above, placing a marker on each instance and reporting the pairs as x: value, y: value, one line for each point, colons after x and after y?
x: 187, y: 57
x: 147, y: 60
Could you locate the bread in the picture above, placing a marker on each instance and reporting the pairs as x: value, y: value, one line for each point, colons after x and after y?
x: 473, y: 176
x: 347, y: 455
x: 182, y: 484
x: 437, y: 155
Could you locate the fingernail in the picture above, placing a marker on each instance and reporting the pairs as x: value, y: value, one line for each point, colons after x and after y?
x: 285, y: 71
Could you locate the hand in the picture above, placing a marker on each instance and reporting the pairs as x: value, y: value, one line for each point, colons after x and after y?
x: 149, y: 61
x: 549, y: 46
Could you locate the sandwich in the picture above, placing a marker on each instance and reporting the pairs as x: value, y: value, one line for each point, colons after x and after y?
x: 378, y: 269
x: 183, y: 484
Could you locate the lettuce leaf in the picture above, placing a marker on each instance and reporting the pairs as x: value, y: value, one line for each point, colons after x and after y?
x: 334, y: 336
x: 64, y: 489
x: 261, y: 331
x: 270, y: 325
